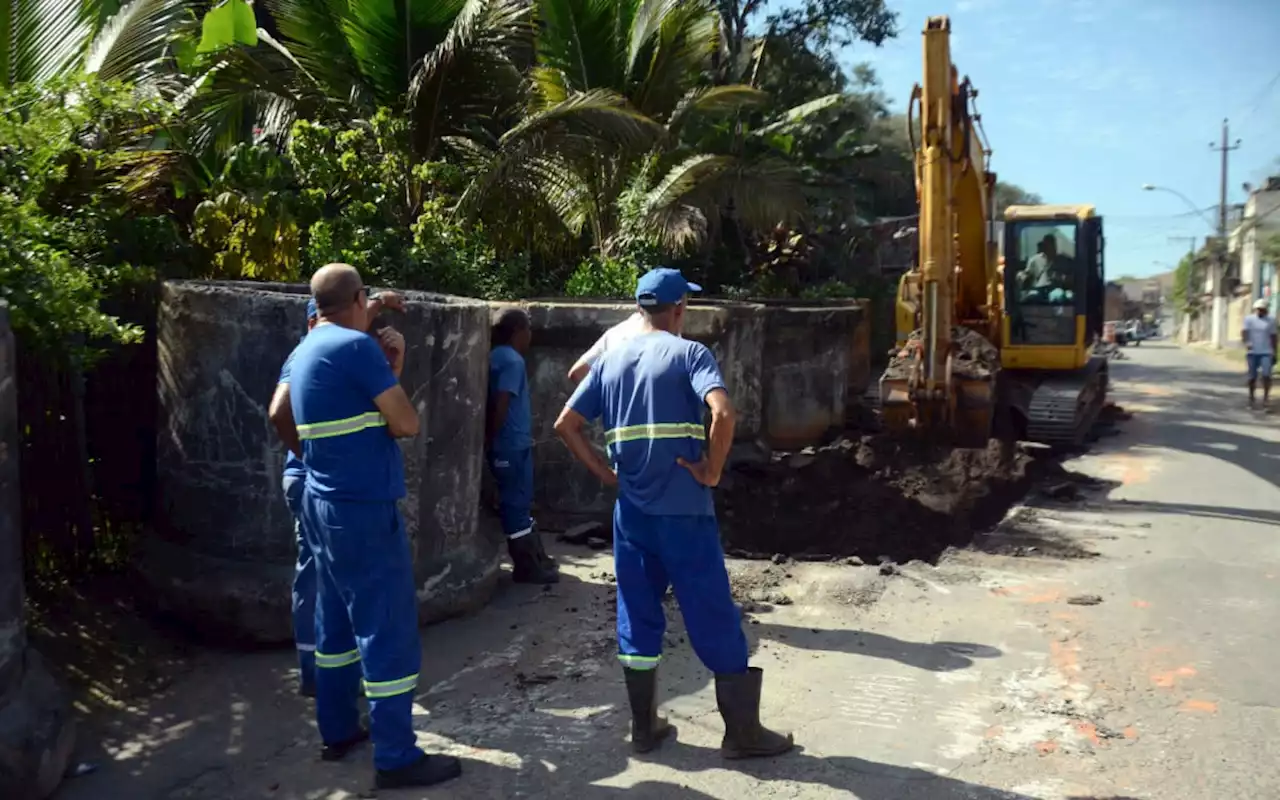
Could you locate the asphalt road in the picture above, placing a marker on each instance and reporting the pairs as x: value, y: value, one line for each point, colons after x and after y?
x: 1120, y: 646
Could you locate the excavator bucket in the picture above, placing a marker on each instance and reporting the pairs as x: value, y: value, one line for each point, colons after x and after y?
x: 960, y: 410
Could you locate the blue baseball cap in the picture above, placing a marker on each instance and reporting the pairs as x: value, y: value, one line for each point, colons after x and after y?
x: 663, y: 286
x: 312, y: 311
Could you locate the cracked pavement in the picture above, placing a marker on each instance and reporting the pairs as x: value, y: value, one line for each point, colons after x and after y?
x: 974, y: 679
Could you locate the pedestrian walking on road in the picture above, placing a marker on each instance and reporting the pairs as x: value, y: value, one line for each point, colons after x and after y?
x: 1260, y: 339
x: 346, y: 409
x: 651, y: 394
x: 509, y: 447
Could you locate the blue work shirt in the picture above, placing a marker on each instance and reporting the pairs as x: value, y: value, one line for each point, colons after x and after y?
x: 651, y: 394
x: 293, y: 466
x: 507, y: 374
x: 334, y: 375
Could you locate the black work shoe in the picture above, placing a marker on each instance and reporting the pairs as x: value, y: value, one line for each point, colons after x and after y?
x: 647, y: 728
x: 738, y: 697
x: 306, y: 690
x: 527, y: 565
x: 339, y: 751
x: 426, y: 771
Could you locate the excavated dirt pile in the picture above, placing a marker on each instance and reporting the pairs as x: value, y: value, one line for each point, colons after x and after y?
x: 875, y: 497
x: 973, y: 357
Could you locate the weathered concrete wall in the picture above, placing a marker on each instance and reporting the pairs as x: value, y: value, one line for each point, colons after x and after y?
x: 788, y: 368
x: 222, y: 550
x: 816, y: 365
x: 36, y: 730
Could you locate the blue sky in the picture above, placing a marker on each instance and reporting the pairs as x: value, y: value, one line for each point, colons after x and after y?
x: 1086, y: 100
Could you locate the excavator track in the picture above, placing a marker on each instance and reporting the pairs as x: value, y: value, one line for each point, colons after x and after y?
x: 1064, y: 408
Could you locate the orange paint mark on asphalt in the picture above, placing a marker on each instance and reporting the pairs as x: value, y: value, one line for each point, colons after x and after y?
x: 1167, y: 680
x: 1089, y: 731
x: 1141, y: 604
x: 1045, y: 748
x: 1065, y: 616
x: 1044, y: 597
x: 1131, y: 732
x: 993, y: 732
x: 1199, y: 707
x: 1065, y: 657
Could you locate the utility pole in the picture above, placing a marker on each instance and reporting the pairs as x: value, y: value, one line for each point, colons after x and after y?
x: 1183, y: 314
x: 1220, y: 267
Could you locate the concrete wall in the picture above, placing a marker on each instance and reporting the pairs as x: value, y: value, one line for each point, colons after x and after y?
x: 794, y: 371
x: 222, y: 550
x: 36, y: 731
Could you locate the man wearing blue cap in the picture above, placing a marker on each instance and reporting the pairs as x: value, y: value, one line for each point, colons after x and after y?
x: 651, y: 393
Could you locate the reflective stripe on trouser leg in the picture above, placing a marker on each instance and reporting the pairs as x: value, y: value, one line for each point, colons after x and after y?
x: 337, y: 659
x: 642, y: 583
x: 304, y: 589
x: 513, y: 474
x: 694, y: 560
x: 363, y: 547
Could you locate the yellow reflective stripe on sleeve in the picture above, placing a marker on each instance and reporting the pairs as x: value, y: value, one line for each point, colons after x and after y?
x: 331, y: 661
x: 375, y: 689
x: 639, y: 662
x: 665, y: 430
x: 341, y: 427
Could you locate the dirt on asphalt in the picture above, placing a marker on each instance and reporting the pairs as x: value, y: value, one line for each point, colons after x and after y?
x: 877, y: 498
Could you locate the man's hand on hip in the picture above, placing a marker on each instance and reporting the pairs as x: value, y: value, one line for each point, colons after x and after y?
x: 701, y: 471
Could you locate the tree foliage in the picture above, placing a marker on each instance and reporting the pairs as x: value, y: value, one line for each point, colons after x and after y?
x: 485, y: 147
x: 69, y: 231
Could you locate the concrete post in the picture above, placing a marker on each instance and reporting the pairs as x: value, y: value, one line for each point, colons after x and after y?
x: 36, y: 732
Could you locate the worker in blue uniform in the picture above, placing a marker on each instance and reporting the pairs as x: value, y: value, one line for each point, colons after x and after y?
x: 346, y: 410
x: 651, y: 393
x: 509, y: 447
x: 304, y: 573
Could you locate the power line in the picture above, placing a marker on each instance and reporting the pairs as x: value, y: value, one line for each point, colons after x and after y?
x: 1258, y: 99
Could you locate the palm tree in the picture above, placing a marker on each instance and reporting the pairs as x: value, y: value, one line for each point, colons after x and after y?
x: 132, y: 42
x: 649, y: 60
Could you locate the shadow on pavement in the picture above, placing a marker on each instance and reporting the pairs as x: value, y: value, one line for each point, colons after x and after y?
x: 932, y: 656
x: 1197, y: 410
x: 1189, y: 509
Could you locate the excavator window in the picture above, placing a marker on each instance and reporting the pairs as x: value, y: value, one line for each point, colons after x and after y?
x: 1043, y: 277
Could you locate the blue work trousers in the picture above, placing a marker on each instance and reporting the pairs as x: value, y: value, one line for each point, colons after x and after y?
x: 513, y: 473
x: 651, y: 552
x: 366, y: 624
x: 304, y: 587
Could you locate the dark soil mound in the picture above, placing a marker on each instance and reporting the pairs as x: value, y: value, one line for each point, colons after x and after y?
x: 875, y: 497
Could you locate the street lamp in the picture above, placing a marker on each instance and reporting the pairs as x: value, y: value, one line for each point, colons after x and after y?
x: 1218, y: 321
x: 1151, y: 187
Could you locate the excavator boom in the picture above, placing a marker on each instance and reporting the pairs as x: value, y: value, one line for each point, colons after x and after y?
x: 939, y: 386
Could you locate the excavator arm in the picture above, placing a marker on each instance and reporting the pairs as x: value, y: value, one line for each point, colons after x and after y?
x: 934, y: 385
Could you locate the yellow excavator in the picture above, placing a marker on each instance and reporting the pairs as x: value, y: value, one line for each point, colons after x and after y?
x: 997, y: 321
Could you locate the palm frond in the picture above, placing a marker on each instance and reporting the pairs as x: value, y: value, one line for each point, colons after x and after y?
x: 759, y: 193
x: 714, y: 100
x: 133, y: 42
x: 49, y: 39
x: 800, y: 113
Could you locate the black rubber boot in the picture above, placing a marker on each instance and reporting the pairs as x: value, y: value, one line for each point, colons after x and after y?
x: 738, y: 697
x: 339, y: 750
x: 647, y: 728
x: 527, y: 565
x: 426, y: 771
x: 543, y: 557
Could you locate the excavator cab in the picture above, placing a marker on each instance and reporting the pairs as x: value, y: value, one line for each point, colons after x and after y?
x: 1053, y: 286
